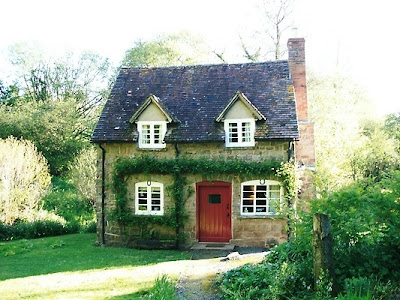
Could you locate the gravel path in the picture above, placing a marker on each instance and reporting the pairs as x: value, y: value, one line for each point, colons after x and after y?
x: 196, y: 279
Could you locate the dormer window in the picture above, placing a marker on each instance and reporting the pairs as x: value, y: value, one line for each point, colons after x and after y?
x: 239, y: 132
x: 239, y: 117
x: 151, y: 134
x: 151, y: 119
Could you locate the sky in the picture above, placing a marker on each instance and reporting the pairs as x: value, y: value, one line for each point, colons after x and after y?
x: 359, y: 38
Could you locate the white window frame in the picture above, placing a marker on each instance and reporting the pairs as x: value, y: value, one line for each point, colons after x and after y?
x: 152, y: 124
x: 246, y: 197
x: 148, y: 185
x: 240, y: 132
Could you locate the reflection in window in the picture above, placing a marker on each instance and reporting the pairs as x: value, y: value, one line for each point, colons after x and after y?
x: 149, y: 198
x: 260, y: 197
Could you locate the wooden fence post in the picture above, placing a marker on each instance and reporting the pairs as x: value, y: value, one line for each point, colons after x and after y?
x: 322, y: 250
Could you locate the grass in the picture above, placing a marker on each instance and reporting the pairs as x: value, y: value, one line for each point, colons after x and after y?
x: 70, y: 266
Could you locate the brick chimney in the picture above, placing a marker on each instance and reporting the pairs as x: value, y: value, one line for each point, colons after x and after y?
x: 297, y: 64
x: 304, y: 147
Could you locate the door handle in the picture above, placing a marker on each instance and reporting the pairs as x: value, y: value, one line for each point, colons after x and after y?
x: 228, y: 215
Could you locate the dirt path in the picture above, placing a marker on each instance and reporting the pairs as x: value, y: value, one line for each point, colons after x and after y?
x: 196, y: 279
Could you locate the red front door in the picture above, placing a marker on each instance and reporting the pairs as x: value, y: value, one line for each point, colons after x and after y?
x: 214, y: 211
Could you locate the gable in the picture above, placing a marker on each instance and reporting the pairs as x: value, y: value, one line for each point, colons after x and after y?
x: 151, y: 110
x: 152, y: 113
x: 241, y: 107
x: 239, y: 111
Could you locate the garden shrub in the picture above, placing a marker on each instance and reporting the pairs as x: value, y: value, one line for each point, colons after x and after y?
x: 36, y: 229
x: 66, y: 201
x: 368, y: 288
x: 24, y: 179
x: 365, y: 222
x: 285, y: 273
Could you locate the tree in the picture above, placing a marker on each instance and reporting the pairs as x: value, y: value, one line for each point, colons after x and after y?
x: 168, y: 50
x: 8, y: 95
x: 392, y: 128
x: 274, y: 25
x: 24, y: 179
x: 337, y: 107
x: 57, y: 129
x: 82, y: 173
x: 84, y: 78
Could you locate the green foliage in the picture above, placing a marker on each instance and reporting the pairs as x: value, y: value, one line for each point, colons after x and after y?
x: 56, y: 128
x: 82, y: 173
x: 365, y: 221
x: 392, y: 128
x: 375, y: 155
x: 24, y: 179
x: 286, y: 273
x: 36, y: 229
x: 8, y: 95
x: 337, y: 106
x: 368, y: 288
x: 83, y: 77
x: 163, y: 289
x: 66, y: 201
x: 169, y: 50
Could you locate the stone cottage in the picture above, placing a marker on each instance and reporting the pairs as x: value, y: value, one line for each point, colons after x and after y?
x: 181, y: 130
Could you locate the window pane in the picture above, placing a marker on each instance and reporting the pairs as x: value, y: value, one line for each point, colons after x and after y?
x: 248, y: 195
x: 155, y: 208
x: 248, y: 209
x: 214, y: 199
x: 157, y: 134
x: 246, y: 132
x: 261, y: 195
x: 261, y: 202
x: 142, y: 207
x: 248, y: 188
x: 247, y: 202
x: 233, y: 133
x: 272, y: 206
x: 146, y: 134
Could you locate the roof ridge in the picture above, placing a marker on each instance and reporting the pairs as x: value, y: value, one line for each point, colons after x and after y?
x: 206, y: 65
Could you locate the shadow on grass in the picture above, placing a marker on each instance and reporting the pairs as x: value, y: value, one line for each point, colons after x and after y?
x: 75, y: 252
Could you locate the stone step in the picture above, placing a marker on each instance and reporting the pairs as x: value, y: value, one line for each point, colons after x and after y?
x: 213, y: 246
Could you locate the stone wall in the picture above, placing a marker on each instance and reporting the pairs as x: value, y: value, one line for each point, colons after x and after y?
x: 258, y: 232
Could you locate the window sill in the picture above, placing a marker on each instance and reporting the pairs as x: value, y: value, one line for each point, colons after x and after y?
x: 260, y: 217
x: 152, y: 149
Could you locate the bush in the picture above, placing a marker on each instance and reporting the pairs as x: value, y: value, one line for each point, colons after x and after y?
x: 365, y: 222
x: 82, y: 173
x: 285, y: 273
x: 36, y: 229
x: 368, y: 288
x: 24, y: 179
x: 66, y: 201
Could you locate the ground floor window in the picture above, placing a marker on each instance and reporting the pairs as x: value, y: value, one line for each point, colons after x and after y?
x: 260, y: 197
x: 149, y: 198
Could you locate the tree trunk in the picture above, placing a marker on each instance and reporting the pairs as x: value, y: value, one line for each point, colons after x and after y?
x: 322, y: 249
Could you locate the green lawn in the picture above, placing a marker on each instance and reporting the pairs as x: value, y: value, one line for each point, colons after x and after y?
x: 70, y: 266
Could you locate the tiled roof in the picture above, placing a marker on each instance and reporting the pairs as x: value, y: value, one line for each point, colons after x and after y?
x: 195, y: 95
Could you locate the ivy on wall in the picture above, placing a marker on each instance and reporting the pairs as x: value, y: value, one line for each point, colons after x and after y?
x: 178, y: 168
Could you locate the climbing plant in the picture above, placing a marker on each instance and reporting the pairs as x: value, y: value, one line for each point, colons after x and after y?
x: 178, y: 168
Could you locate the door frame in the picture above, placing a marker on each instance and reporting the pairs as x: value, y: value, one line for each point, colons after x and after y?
x: 223, y: 184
